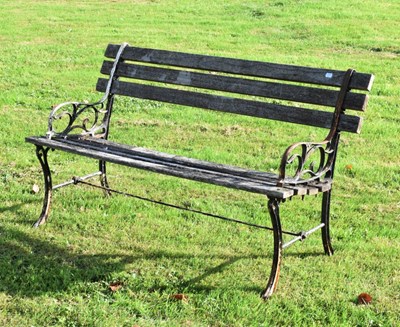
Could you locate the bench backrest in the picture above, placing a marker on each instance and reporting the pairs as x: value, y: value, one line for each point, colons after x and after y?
x: 279, y: 92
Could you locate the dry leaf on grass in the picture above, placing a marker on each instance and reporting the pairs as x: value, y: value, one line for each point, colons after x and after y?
x: 35, y: 189
x: 179, y: 297
x: 364, y: 298
x: 115, y: 286
x: 349, y: 167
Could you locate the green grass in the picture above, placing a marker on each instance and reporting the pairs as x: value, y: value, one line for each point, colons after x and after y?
x: 60, y: 274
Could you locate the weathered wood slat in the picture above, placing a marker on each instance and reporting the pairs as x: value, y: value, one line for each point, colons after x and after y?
x: 210, y: 177
x: 233, y: 105
x: 322, y: 186
x: 180, y: 160
x: 288, y: 92
x: 175, y: 160
x: 267, y: 177
x: 293, y: 73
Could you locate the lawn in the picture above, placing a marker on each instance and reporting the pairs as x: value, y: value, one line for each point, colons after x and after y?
x: 119, y: 262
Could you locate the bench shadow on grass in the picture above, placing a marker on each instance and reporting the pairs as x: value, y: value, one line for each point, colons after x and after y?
x: 15, y: 207
x: 31, y: 266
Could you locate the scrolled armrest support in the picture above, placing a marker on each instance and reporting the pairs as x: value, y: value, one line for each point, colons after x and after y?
x: 304, y: 162
x: 88, y: 118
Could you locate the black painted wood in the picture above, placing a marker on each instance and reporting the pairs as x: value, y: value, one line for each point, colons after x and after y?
x: 233, y: 105
x: 180, y: 161
x: 288, y: 92
x: 252, y: 88
x: 360, y: 81
x: 187, y: 168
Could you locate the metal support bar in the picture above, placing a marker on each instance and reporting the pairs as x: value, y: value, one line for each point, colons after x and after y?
x: 75, y: 180
x: 41, y: 154
x: 302, y: 236
x: 273, y: 208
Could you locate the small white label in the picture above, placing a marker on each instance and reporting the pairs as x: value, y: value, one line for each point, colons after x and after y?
x: 328, y: 75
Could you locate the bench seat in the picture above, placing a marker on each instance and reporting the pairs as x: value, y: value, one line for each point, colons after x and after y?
x: 179, y: 166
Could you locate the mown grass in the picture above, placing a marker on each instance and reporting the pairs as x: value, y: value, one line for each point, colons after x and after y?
x: 60, y: 274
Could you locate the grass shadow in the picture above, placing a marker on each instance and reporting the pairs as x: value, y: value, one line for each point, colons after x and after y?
x: 30, y: 266
x: 14, y: 207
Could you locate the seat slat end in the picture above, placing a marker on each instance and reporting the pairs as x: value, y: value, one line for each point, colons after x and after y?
x: 360, y: 123
x: 111, y: 50
x: 371, y: 81
x: 365, y: 103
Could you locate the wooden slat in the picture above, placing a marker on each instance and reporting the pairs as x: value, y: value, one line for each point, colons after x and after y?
x: 293, y: 73
x: 166, y: 158
x: 195, y: 174
x: 232, y: 105
x: 173, y: 161
x: 322, y: 186
x: 311, y: 188
x: 288, y: 92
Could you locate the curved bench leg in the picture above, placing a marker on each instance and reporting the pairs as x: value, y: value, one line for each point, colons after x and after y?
x: 325, y: 213
x: 273, y: 207
x: 41, y: 154
x: 103, y: 177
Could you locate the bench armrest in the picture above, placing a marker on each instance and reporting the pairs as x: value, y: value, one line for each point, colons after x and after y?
x: 299, y: 160
x: 305, y: 162
x: 89, y: 118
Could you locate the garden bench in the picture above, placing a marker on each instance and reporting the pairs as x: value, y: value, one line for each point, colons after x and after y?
x: 286, y: 93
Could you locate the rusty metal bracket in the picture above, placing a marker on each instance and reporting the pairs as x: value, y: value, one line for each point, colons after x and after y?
x: 90, y: 118
x: 323, y: 152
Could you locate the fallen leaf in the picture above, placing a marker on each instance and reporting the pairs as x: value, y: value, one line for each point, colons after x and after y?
x: 35, y: 189
x: 364, y: 298
x: 179, y: 297
x: 115, y: 286
x: 349, y: 167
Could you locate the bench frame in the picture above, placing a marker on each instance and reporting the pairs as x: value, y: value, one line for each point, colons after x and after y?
x: 319, y: 177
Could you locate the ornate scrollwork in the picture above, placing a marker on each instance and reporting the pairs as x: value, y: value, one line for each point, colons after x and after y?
x: 304, y: 162
x: 88, y: 118
x: 314, y: 160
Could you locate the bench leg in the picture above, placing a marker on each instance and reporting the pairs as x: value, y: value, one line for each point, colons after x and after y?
x: 41, y: 153
x: 103, y: 177
x: 326, y: 239
x: 273, y: 207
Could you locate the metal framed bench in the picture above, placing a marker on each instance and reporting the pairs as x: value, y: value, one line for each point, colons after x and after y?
x: 284, y: 93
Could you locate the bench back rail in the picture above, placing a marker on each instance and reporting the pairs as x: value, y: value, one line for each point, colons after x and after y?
x: 257, y: 79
